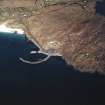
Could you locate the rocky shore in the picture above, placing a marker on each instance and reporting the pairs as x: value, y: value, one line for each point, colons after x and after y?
x: 71, y: 28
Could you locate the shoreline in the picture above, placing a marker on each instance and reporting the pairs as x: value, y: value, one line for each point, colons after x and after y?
x: 41, y: 51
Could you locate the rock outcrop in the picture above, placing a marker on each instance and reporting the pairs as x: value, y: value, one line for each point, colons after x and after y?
x: 69, y: 27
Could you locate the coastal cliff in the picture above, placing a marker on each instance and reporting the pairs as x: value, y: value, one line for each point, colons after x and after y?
x: 70, y: 28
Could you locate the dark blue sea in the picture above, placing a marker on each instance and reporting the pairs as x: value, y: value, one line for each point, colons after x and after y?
x: 52, y: 82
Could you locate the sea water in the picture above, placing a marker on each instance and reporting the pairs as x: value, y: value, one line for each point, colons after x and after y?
x: 24, y: 84
x: 53, y: 77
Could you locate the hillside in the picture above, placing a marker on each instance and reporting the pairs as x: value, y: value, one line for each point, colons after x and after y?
x: 69, y: 27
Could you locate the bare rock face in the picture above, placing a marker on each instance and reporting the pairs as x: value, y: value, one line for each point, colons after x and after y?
x: 71, y: 28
